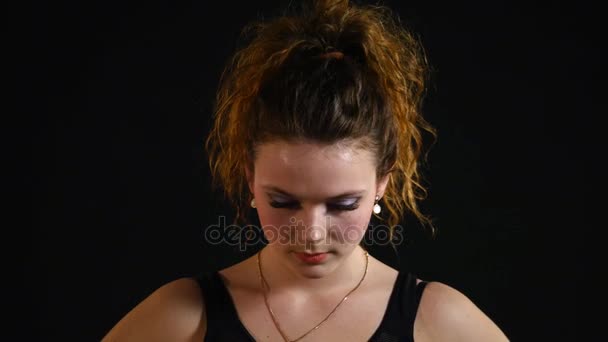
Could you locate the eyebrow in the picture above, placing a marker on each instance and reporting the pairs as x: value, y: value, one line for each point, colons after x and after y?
x: 283, y: 192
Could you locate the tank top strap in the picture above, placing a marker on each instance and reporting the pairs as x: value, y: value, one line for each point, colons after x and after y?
x: 398, y: 321
x: 223, y: 323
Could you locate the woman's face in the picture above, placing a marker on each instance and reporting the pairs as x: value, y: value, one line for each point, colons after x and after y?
x: 314, y: 198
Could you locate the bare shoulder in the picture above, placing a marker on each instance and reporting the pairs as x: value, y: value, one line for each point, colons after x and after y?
x: 445, y: 314
x: 173, y: 312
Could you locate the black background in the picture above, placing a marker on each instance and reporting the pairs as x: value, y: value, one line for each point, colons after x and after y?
x: 120, y: 94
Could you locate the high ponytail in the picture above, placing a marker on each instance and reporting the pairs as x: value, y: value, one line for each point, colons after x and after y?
x: 334, y: 8
x: 333, y: 72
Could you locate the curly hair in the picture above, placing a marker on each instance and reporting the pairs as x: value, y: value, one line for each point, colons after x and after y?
x: 333, y: 72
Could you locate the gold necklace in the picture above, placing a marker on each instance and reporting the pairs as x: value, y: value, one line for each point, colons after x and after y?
x: 265, y: 286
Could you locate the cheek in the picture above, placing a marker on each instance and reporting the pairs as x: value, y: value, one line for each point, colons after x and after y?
x: 350, y: 228
x: 272, y: 217
x: 275, y: 224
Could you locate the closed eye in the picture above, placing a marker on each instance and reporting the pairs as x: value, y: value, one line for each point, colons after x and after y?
x: 275, y: 204
x: 338, y: 207
x: 342, y: 207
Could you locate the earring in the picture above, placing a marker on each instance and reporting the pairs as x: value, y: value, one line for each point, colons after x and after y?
x: 377, y: 208
x: 253, y: 203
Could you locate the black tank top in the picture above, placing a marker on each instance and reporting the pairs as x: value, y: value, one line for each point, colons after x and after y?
x: 223, y: 323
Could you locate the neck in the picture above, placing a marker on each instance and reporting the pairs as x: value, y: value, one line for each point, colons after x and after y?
x: 283, y: 276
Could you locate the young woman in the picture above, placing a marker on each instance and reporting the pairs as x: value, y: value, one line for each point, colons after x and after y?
x: 318, y: 125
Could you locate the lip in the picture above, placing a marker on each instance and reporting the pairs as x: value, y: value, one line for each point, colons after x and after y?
x: 312, y: 258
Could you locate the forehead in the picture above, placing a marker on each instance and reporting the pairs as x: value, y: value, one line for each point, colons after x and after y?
x: 311, y: 170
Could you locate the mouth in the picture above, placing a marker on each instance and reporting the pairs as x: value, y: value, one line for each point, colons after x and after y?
x: 312, y: 258
x: 311, y: 252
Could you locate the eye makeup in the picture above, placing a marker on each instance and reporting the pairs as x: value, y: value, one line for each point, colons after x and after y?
x: 340, y: 206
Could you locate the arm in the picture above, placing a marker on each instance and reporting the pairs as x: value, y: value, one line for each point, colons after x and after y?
x: 174, y: 312
x: 445, y: 314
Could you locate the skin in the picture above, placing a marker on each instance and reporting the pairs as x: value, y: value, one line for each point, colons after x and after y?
x: 322, y: 172
x: 302, y: 294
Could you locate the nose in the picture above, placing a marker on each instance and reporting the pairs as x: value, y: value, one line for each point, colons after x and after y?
x: 311, y: 225
x: 314, y: 234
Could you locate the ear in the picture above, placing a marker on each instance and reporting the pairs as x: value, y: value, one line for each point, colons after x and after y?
x: 249, y: 174
x: 381, y: 186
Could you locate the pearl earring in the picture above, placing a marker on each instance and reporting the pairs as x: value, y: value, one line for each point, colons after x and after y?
x: 253, y: 203
x: 377, y: 208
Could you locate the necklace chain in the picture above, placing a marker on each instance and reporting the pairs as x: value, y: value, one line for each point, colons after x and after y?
x: 266, y: 287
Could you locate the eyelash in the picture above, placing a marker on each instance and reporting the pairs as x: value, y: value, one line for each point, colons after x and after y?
x: 292, y: 205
